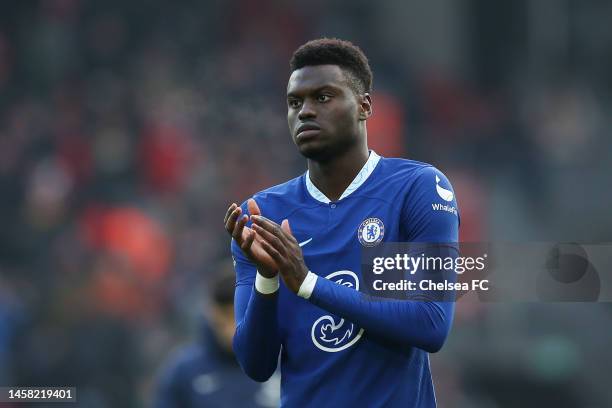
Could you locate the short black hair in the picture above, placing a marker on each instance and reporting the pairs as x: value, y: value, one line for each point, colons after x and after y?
x: 334, y: 51
x: 222, y: 286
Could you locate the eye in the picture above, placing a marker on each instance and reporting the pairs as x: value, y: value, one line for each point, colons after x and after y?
x: 323, y: 98
x: 294, y: 103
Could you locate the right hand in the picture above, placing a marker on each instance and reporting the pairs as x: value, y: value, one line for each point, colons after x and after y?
x: 247, y: 239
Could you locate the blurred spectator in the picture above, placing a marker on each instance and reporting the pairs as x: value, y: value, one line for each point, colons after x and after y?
x: 206, y: 374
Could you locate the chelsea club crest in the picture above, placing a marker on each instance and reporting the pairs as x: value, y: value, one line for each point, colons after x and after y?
x: 371, y: 232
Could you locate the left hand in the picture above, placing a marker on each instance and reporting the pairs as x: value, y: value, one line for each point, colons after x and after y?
x: 281, y: 245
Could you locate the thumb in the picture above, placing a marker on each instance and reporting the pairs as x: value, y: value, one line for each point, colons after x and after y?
x: 285, y: 227
x: 253, y: 207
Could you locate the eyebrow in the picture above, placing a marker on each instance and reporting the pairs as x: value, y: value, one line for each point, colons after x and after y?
x: 315, y: 90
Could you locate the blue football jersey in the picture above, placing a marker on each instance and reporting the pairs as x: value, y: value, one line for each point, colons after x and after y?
x: 341, y: 347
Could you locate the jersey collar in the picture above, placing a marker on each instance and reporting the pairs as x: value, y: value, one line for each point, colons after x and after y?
x: 359, y: 179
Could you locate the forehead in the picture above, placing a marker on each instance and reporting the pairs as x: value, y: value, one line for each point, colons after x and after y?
x: 314, y: 77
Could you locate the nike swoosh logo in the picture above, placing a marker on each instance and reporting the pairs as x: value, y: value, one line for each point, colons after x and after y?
x: 305, y: 242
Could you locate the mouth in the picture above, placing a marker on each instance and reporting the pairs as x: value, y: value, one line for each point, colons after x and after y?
x: 307, y: 130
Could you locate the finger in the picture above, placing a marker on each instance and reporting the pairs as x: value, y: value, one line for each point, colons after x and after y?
x: 258, y: 237
x: 270, y: 239
x: 284, y: 234
x: 266, y: 223
x: 229, y: 212
x: 237, y: 232
x: 286, y: 228
x: 266, y: 235
x: 270, y: 226
x: 246, y: 245
x: 230, y: 224
x: 253, y: 207
x: 278, y: 258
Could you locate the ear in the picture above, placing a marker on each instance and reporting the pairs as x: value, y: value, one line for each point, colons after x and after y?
x: 365, y: 106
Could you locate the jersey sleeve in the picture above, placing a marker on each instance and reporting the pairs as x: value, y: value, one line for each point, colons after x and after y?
x: 256, y: 340
x: 429, y: 215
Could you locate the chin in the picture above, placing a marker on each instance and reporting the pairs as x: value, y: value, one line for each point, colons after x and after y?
x: 321, y: 152
x: 316, y: 153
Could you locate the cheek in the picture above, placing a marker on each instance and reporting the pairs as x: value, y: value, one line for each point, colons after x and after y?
x: 346, y: 117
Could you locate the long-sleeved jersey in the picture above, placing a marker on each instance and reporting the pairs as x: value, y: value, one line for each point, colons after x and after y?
x: 341, y: 346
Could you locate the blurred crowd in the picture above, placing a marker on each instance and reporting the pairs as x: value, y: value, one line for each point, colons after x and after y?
x: 127, y: 128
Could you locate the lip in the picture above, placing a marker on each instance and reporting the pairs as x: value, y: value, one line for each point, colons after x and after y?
x: 307, y: 134
x: 307, y: 129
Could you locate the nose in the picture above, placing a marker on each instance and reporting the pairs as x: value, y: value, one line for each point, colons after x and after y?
x: 307, y: 111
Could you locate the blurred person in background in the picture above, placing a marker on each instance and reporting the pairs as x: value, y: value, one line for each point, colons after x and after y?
x: 205, y: 373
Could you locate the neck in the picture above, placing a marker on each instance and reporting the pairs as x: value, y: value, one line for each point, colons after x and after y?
x: 334, y: 176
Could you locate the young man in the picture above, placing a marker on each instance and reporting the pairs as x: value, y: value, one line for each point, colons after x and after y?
x: 340, y: 346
